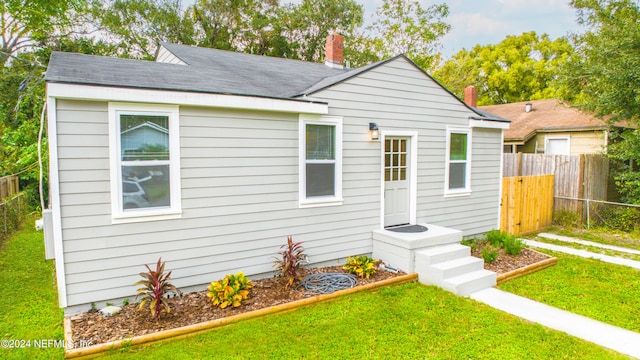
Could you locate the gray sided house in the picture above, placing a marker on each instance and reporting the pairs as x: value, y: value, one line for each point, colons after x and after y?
x: 210, y: 159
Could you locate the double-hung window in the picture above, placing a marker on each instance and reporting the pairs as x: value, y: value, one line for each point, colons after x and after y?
x: 320, y: 160
x: 145, y: 178
x: 458, y: 158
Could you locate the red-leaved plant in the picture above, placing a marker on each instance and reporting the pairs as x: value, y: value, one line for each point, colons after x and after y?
x: 155, y: 288
x: 293, y: 261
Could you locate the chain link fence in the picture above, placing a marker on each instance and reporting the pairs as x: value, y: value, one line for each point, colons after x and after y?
x: 600, y: 213
x: 13, y: 211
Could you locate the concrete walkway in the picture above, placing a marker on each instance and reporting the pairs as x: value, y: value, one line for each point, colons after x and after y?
x: 621, y: 340
x: 584, y: 253
x: 589, y: 243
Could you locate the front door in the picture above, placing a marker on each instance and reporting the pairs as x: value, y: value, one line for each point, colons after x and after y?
x: 396, y: 180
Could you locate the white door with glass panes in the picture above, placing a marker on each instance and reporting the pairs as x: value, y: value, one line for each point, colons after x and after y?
x: 396, y: 181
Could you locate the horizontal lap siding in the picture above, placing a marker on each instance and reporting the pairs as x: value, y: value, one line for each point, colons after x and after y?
x: 239, y: 197
x: 398, y: 97
x: 239, y: 174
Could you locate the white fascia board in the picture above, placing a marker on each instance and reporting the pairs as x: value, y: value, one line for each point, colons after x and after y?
x: 489, y: 124
x: 103, y: 93
x: 54, y: 201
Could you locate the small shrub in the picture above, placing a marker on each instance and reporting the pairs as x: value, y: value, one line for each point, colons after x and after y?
x: 616, y: 217
x: 472, y: 243
x: 512, y: 245
x: 362, y: 265
x: 232, y: 290
x: 155, y: 288
x: 293, y: 261
x: 495, y: 237
x: 489, y: 254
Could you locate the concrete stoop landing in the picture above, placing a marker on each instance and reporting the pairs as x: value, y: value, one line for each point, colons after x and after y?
x: 437, y: 256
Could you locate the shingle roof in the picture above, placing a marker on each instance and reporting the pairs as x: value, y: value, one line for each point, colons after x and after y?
x: 210, y: 71
x: 546, y: 115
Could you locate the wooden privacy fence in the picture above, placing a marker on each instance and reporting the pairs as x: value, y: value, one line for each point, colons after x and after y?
x: 527, y: 203
x: 8, y: 186
x: 576, y: 176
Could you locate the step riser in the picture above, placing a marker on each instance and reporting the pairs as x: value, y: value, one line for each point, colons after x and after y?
x: 439, y: 257
x: 469, y: 287
x: 458, y: 270
x: 446, y: 274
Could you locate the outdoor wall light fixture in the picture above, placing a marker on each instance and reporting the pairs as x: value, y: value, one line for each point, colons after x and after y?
x: 373, y: 131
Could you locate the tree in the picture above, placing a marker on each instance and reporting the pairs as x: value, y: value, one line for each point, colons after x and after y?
x: 605, y: 65
x: 603, y: 74
x: 308, y: 24
x: 137, y: 26
x: 250, y: 26
x: 23, y: 24
x: 519, y: 68
x: 405, y: 27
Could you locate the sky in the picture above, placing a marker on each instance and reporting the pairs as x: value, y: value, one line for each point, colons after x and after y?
x: 490, y: 21
x: 486, y: 22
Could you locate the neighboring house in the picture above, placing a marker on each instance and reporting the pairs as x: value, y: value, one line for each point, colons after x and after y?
x: 551, y: 127
x: 257, y: 148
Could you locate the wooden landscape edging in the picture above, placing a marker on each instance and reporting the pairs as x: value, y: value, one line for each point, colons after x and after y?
x: 514, y: 274
x: 190, y: 330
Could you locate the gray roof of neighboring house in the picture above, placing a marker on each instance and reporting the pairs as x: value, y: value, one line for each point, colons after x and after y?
x: 210, y: 71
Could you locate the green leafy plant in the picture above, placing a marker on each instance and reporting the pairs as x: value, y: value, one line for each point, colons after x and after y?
x: 472, y: 243
x: 362, y: 265
x: 500, y: 239
x: 489, y: 254
x: 232, y: 290
x: 292, y: 262
x: 495, y: 237
x: 155, y: 288
x: 512, y: 245
x: 125, y: 302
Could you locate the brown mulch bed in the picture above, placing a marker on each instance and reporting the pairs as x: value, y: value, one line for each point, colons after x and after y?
x: 191, y: 308
x: 506, y: 263
x: 196, y: 307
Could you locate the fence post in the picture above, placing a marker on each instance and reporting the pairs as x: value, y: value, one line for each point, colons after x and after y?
x: 588, y: 215
x: 4, y: 214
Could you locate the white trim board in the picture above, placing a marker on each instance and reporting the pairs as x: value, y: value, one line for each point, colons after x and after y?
x: 54, y: 201
x: 413, y: 173
x: 103, y: 93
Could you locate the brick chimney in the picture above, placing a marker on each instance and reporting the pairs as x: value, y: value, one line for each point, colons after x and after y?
x: 471, y: 96
x: 333, y: 51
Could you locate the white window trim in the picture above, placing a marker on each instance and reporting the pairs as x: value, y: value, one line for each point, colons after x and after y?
x: 336, y: 121
x: 546, y: 143
x: 117, y: 212
x: 467, y: 188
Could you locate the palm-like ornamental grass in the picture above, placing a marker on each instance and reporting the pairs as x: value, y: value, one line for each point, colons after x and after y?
x: 293, y: 261
x: 155, y: 288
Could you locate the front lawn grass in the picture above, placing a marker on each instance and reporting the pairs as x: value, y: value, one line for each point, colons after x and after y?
x: 409, y: 321
x: 602, y: 291
x: 29, y: 309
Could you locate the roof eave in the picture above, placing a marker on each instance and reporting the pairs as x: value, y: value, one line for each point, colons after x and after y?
x: 82, y: 91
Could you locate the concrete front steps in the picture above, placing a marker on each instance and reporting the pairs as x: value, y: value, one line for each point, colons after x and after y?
x: 452, y: 268
x: 437, y: 256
